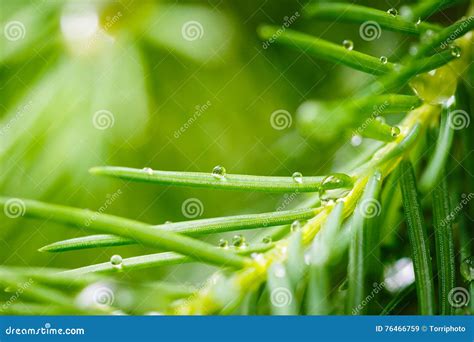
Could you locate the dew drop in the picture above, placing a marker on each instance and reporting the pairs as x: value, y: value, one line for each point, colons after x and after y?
x: 343, y: 286
x: 238, y: 241
x: 280, y: 271
x: 455, y: 51
x: 297, y: 177
x: 380, y: 119
x: 413, y: 50
x: 223, y: 243
x: 168, y: 222
x: 295, y: 226
x: 335, y: 186
x: 406, y: 13
x: 467, y: 268
x: 258, y: 257
x: 219, y: 172
x: 267, y: 239
x: 348, y: 44
x: 427, y: 36
x: 418, y: 22
x: 148, y: 170
x: 356, y: 140
x: 393, y: 12
x: 116, y: 261
x: 383, y: 59
x: 307, y: 258
x: 395, y: 131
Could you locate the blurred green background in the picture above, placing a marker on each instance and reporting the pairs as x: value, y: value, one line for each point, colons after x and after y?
x: 140, y: 84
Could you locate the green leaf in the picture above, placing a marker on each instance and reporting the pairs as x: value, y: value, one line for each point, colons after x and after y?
x: 157, y: 260
x: 394, y: 82
x: 418, y: 237
x: 32, y: 290
x: 319, y: 278
x: 444, y: 38
x: 361, y: 14
x: 207, y: 180
x: 401, y: 297
x: 426, y: 8
x: 362, y: 241
x: 295, y: 265
x: 282, y: 296
x: 438, y: 159
x: 191, y: 228
x: 398, y: 149
x: 325, y: 50
x: 137, y: 231
x: 444, y: 245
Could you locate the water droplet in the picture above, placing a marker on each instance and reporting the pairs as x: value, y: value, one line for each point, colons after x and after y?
x: 399, y: 275
x: 168, y: 222
x: 395, y: 131
x: 258, y: 257
x: 238, y: 241
x: 297, y: 177
x: 280, y: 271
x: 392, y: 11
x: 356, y: 140
x: 335, y: 186
x: 467, y: 268
x: 223, y: 243
x: 413, y: 50
x: 380, y: 119
x: 406, y: 12
x: 455, y: 51
x: 427, y: 36
x: 267, y: 239
x: 307, y: 258
x: 348, y: 44
x: 344, y: 285
x: 418, y: 22
x: 116, y: 261
x: 295, y: 226
x: 148, y: 170
x: 383, y: 59
x: 219, y: 172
